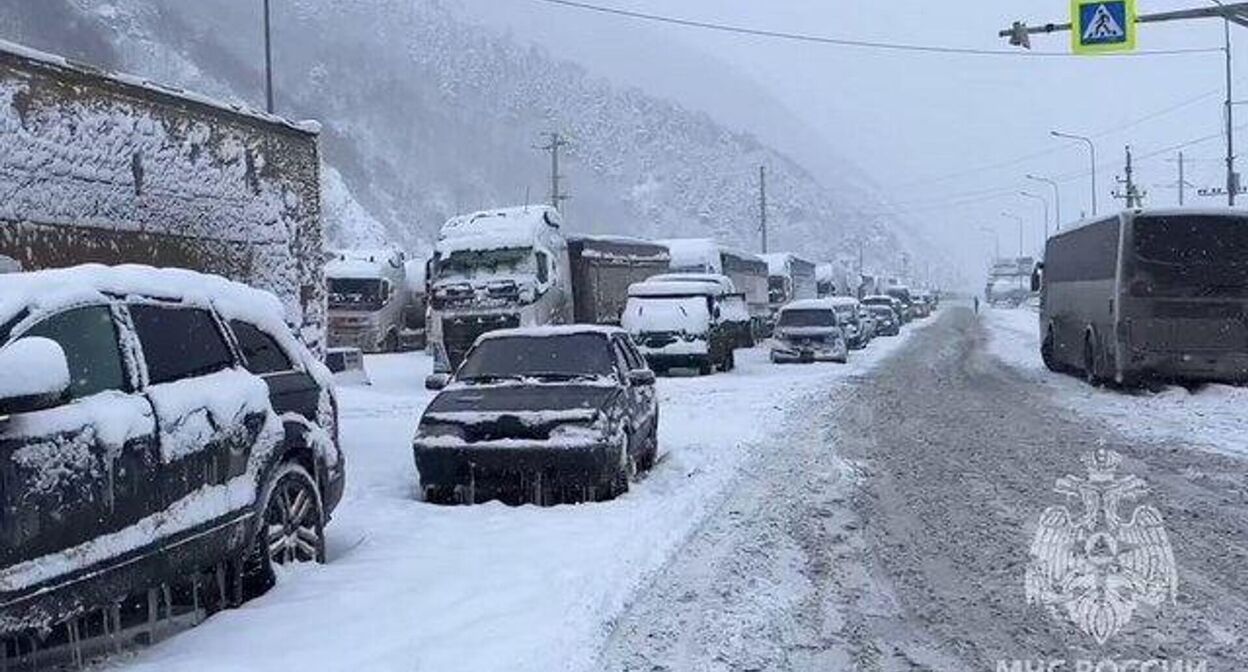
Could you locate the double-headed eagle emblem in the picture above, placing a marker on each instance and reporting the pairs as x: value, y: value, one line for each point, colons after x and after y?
x: 1095, y: 566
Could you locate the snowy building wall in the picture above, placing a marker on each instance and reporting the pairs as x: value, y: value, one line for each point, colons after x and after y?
x: 102, y: 168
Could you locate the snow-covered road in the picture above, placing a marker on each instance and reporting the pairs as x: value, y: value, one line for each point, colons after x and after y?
x: 410, y: 586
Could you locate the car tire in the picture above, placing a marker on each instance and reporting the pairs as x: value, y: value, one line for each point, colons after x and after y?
x: 731, y: 361
x: 291, y: 526
x: 625, y: 469
x: 650, y: 453
x: 706, y: 368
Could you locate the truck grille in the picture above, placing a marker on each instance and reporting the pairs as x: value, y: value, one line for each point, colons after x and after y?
x: 459, y: 333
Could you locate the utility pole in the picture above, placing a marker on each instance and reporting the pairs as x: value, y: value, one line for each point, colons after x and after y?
x: 268, y: 61
x: 1132, y: 193
x: 762, y: 205
x: 1182, y: 184
x: 1232, y: 179
x: 556, y: 142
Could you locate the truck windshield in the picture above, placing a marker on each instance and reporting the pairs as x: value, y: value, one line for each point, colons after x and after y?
x: 469, y: 264
x: 1191, y: 256
x: 556, y: 357
x: 356, y: 293
x: 807, y: 318
x: 776, y: 288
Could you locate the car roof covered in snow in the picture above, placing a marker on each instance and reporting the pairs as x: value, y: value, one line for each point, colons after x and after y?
x: 80, y: 284
x: 722, y: 281
x: 551, y: 331
x: 505, y: 228
x: 842, y: 300
x: 659, y: 288
x: 811, y: 304
x: 880, y: 297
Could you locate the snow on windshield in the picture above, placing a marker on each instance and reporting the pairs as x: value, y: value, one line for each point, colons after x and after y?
x: 676, y: 313
x: 471, y: 264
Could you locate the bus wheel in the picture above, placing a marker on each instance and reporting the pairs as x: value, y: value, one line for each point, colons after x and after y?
x: 1047, y: 351
x: 1089, y: 361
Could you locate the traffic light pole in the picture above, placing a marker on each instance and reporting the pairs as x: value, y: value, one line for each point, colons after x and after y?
x: 1020, y: 36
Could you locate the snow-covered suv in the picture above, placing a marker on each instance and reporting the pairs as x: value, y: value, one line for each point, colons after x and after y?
x: 157, y: 428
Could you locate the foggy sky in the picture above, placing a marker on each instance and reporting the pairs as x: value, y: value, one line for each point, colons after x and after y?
x: 908, y: 119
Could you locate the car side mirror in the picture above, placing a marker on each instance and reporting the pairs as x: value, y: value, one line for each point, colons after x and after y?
x: 36, y: 376
x: 641, y: 378
x: 437, y: 381
x: 1035, y: 277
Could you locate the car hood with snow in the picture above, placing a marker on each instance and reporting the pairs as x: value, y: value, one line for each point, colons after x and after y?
x: 534, y: 401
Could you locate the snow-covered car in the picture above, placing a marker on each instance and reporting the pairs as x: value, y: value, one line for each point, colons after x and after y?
x: 886, y: 320
x: 848, y: 313
x: 735, y: 310
x: 809, y: 331
x: 157, y: 428
x: 895, y: 304
x: 540, y: 414
x: 680, y: 324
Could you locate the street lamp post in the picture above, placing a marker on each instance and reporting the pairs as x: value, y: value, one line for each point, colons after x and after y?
x: 1057, y: 201
x: 1091, y: 151
x: 1045, y: 202
x: 1020, y: 229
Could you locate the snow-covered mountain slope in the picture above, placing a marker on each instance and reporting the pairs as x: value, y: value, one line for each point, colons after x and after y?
x: 426, y: 115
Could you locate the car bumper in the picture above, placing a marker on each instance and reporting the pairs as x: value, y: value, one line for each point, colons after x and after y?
x: 513, y: 473
x: 799, y: 354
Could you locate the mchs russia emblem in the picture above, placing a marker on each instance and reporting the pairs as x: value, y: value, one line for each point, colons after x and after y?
x: 1097, y: 564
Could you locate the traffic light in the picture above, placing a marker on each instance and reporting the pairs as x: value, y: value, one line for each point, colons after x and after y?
x: 1019, y: 37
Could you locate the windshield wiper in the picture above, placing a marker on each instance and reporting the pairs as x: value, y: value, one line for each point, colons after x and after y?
x: 544, y: 375
x: 491, y: 378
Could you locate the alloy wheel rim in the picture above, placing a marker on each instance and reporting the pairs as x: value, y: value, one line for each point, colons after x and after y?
x: 291, y: 525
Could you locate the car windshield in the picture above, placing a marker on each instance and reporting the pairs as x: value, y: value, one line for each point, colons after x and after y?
x: 355, y: 293
x: 554, y: 357
x: 881, y: 311
x: 1190, y: 257
x: 688, y: 314
x: 470, y: 264
x: 804, y: 317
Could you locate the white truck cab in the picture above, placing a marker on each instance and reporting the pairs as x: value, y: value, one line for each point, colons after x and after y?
x: 496, y: 269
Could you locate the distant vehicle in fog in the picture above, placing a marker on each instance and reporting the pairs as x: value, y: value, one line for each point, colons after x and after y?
x: 791, y: 278
x: 848, y: 314
x: 497, y: 269
x: 902, y: 294
x: 1009, y: 282
x: 680, y: 324
x: 414, y: 335
x: 809, y: 331
x: 543, y: 415
x: 368, y: 299
x: 892, y: 303
x: 1148, y: 294
x: 886, y: 319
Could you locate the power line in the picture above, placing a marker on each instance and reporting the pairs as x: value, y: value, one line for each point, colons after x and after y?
x: 1054, y: 150
x: 843, y: 42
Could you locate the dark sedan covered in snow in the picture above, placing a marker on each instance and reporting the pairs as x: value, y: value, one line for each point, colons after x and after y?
x: 543, y: 415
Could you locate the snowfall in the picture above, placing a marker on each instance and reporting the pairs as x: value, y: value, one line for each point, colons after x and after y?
x: 413, y: 586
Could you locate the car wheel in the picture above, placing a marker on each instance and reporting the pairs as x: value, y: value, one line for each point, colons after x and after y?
x: 731, y: 361
x: 650, y: 452
x: 291, y: 525
x: 625, y: 469
x: 706, y: 368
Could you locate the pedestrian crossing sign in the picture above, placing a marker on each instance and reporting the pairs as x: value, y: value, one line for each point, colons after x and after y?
x: 1101, y: 26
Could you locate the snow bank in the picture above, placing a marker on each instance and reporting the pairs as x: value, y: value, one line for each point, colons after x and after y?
x: 1209, y: 418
